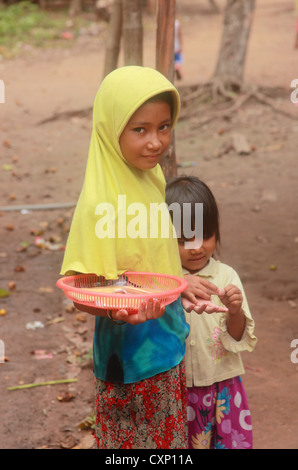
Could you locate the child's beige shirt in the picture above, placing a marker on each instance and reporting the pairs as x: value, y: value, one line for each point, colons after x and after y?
x: 212, y: 355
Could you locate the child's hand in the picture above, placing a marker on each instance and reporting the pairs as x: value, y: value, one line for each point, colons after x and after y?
x: 150, y: 310
x: 198, y: 294
x: 232, y: 298
x: 199, y: 287
x: 200, y: 306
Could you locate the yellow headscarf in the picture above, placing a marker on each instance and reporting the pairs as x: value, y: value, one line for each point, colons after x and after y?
x: 109, y: 176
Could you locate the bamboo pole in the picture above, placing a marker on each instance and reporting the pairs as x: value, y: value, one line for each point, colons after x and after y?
x: 114, y: 38
x: 166, y: 10
x: 40, y: 384
x: 37, y: 207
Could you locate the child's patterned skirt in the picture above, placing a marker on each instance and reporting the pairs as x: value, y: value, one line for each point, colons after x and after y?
x: 150, y: 414
x: 218, y: 416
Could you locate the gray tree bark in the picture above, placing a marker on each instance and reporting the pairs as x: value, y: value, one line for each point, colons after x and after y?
x: 132, y: 32
x: 114, y: 38
x: 236, y: 30
x: 75, y: 7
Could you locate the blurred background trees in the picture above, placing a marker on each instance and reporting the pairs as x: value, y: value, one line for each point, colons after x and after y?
x: 124, y: 20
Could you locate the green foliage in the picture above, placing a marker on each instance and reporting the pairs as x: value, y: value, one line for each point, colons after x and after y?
x: 26, y: 23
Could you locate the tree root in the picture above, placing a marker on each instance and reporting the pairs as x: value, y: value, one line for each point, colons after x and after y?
x: 223, y: 99
x: 66, y: 115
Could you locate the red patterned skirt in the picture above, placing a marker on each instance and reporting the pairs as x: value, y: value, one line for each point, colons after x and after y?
x: 150, y: 414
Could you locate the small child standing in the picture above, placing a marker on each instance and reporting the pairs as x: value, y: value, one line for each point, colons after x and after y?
x: 178, y: 56
x: 218, y: 414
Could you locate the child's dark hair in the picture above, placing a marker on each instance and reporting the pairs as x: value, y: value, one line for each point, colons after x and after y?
x: 191, y: 190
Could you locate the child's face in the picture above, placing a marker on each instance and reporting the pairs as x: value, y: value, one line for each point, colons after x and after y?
x: 196, y: 259
x: 147, y: 135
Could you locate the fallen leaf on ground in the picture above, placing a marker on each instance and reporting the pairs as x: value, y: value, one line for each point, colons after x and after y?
x: 272, y: 148
x: 51, y: 170
x: 70, y: 308
x: 7, y: 167
x: 23, y: 246
x: 81, y: 317
x: 4, y: 293
x: 65, y: 397
x: 55, y: 320
x: 88, y: 422
x: 44, y: 225
x: 20, y: 269
x: 46, y: 289
x: 11, y: 285
x: 60, y: 221
x: 72, y: 359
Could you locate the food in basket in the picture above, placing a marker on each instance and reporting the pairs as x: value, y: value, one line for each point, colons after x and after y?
x: 121, y: 290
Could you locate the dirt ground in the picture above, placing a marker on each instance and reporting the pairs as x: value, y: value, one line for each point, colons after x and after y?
x: 44, y: 338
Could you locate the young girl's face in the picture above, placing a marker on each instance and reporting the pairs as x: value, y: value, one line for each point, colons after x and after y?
x: 196, y: 259
x: 147, y: 135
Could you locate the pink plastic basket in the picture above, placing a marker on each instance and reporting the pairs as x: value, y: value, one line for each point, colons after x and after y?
x: 127, y: 292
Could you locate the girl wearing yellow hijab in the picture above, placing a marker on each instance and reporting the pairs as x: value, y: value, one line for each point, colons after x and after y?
x: 138, y: 364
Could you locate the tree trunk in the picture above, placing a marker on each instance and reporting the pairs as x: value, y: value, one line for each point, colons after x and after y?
x: 165, y: 38
x: 231, y: 60
x: 165, y: 64
x: 132, y: 32
x: 214, y: 6
x: 114, y: 38
x: 151, y: 6
x: 75, y: 7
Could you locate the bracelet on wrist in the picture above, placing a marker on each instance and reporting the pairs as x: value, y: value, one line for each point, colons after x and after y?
x: 116, y: 322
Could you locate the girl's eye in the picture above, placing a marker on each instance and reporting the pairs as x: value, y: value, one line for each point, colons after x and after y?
x: 165, y: 127
x: 139, y: 130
